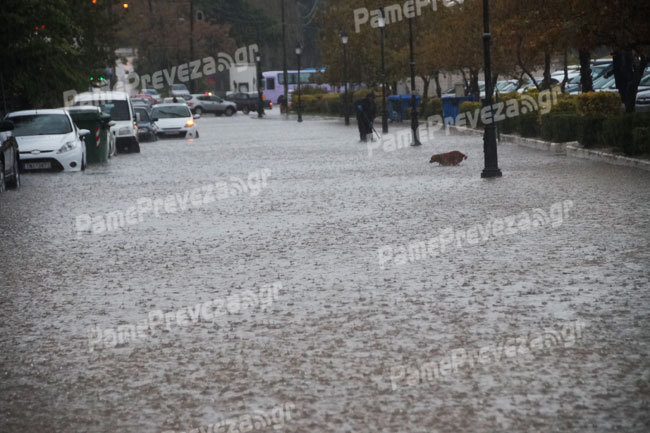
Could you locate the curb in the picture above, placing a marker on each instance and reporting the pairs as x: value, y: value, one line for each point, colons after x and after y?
x: 572, y: 149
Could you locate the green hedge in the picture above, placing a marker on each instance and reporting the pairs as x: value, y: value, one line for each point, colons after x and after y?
x: 432, y: 107
x: 640, y: 141
x: 560, y: 127
x: 618, y: 131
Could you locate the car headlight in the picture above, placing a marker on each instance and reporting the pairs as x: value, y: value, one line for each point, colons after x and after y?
x: 189, y: 123
x: 124, y: 131
x: 67, y: 147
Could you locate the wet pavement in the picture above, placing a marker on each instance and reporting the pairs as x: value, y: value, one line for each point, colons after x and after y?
x: 289, y: 322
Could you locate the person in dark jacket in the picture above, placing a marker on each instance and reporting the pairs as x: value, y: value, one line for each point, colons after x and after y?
x: 366, y: 113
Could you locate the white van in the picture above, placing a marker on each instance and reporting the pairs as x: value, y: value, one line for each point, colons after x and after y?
x: 118, y: 106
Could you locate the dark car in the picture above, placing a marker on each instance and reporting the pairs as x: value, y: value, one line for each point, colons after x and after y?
x: 9, y: 157
x: 247, y: 102
x: 147, y: 128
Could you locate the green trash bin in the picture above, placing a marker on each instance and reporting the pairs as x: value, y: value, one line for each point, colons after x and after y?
x: 93, y: 119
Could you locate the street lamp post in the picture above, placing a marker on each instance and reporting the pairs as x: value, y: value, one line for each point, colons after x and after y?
x: 384, y: 114
x: 260, y: 78
x: 346, y: 110
x: 489, y: 136
x: 415, y: 123
x: 298, y: 53
x: 285, y: 73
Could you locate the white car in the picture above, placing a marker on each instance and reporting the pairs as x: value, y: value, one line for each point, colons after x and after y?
x: 118, y: 106
x: 49, y: 140
x: 175, y: 119
x: 179, y: 90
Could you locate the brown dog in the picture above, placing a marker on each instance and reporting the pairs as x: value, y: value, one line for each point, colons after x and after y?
x: 447, y: 159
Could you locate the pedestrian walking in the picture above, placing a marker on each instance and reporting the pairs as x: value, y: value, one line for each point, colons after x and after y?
x: 366, y: 113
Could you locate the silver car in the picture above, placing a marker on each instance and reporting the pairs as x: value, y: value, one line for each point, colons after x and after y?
x: 201, y: 103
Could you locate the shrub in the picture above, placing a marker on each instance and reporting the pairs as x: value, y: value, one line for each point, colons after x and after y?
x: 432, y: 107
x: 640, y: 142
x: 599, y: 104
x: 560, y: 127
x: 475, y: 109
x: 360, y: 94
x: 590, y: 129
x: 528, y: 124
x: 566, y: 104
x: 618, y: 131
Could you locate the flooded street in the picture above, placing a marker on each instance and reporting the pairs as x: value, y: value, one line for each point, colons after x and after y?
x: 266, y: 277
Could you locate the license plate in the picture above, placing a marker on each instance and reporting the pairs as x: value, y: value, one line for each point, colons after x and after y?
x: 37, y: 165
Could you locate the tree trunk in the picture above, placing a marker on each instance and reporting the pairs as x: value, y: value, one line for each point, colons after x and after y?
x: 566, y: 69
x: 425, y: 92
x: 586, y: 81
x: 473, y: 85
x: 628, y: 71
x: 546, y: 84
x: 436, y: 79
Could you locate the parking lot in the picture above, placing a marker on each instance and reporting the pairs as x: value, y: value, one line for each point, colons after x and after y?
x: 332, y: 336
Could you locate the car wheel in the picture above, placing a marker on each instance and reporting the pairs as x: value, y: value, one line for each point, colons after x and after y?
x: 246, y: 110
x: 15, y: 181
x: 135, y: 147
x: 198, y: 110
x: 229, y: 111
x: 196, y: 135
x: 2, y: 177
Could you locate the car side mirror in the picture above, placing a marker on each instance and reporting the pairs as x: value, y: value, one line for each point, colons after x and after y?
x: 111, y: 123
x: 6, y: 125
x: 83, y: 132
x: 197, y: 116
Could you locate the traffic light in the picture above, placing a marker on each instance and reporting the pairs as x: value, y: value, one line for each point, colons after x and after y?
x: 125, y: 5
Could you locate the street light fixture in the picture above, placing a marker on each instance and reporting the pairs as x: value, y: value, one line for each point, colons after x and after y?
x: 346, y: 111
x: 260, y: 81
x: 298, y: 53
x: 384, y: 114
x: 491, y: 169
x: 415, y: 123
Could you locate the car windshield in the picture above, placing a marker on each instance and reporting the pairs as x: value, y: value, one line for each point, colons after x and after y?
x: 645, y: 81
x: 149, y: 92
x: 118, y: 110
x: 179, y: 87
x: 41, y: 124
x: 171, y: 112
x: 144, y: 116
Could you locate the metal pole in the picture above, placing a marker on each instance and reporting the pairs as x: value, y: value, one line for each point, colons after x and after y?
x: 489, y: 137
x: 260, y: 79
x: 284, y: 61
x: 414, y: 105
x: 346, y: 105
x: 299, y: 93
x: 384, y: 114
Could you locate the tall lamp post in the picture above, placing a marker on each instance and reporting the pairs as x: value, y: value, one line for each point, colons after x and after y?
x: 489, y: 136
x: 346, y: 108
x: 415, y: 123
x: 298, y: 53
x: 285, y: 74
x: 384, y: 114
x: 260, y: 81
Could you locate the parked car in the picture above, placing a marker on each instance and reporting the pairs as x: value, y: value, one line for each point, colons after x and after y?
x: 247, y: 102
x: 175, y: 119
x: 179, y: 90
x: 49, y: 140
x: 9, y: 157
x: 211, y: 104
x: 119, y: 107
x: 147, y: 128
x: 643, y: 101
x: 153, y: 93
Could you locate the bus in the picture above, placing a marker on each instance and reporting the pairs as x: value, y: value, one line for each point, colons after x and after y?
x: 273, y: 83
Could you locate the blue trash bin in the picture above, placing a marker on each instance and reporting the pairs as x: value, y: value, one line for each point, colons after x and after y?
x: 397, y: 105
x: 451, y: 107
